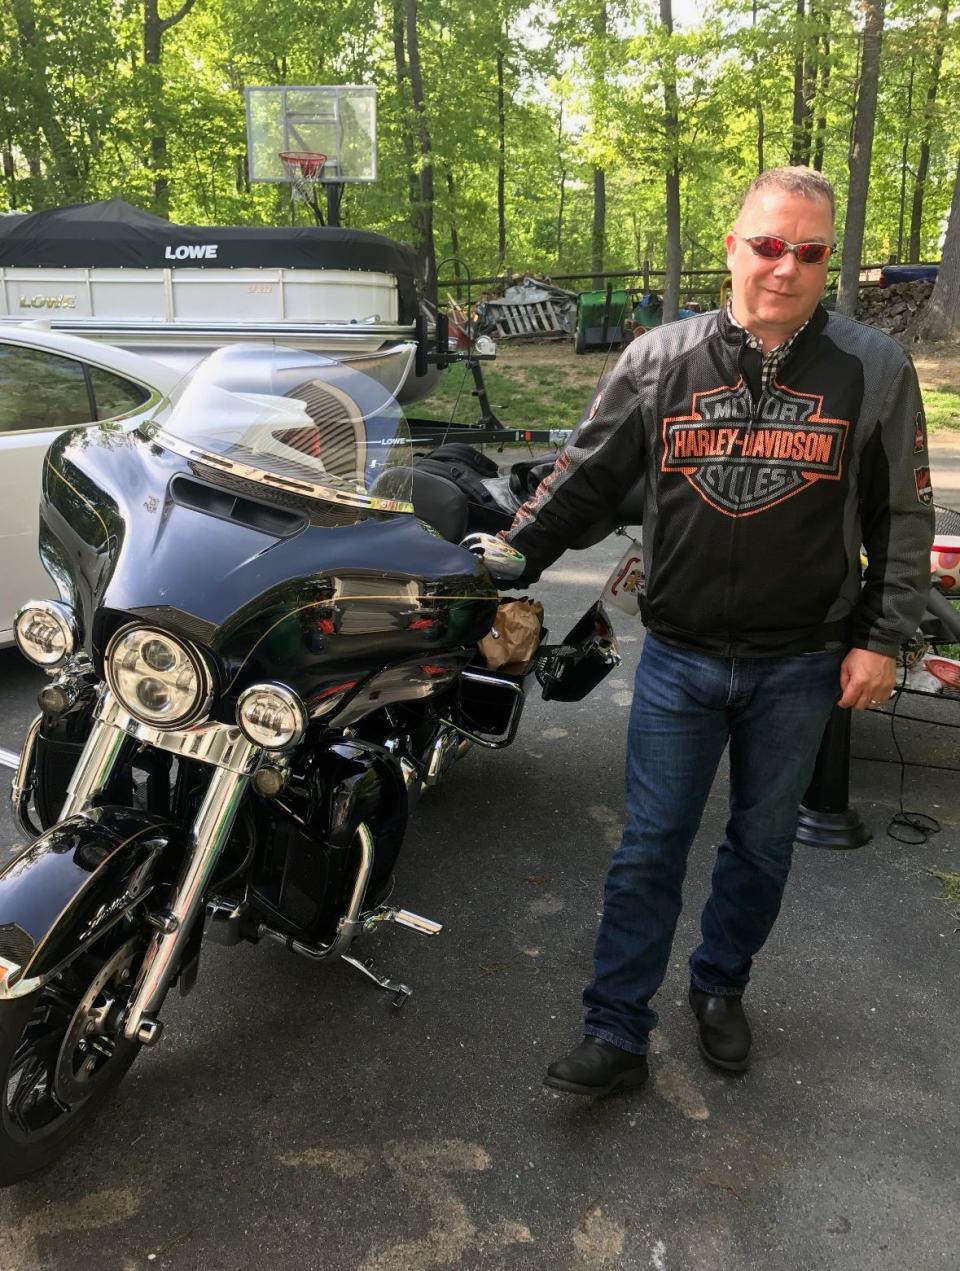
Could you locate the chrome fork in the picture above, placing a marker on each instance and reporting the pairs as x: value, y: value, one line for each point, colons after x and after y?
x: 97, y: 762
x: 208, y: 837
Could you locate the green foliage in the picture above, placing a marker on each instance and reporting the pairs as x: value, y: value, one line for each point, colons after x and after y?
x: 81, y: 112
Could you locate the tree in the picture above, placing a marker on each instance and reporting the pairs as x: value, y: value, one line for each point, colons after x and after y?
x: 923, y: 164
x: 671, y: 128
x: 941, y: 319
x: 428, y: 255
x: 154, y: 29
x: 860, y: 156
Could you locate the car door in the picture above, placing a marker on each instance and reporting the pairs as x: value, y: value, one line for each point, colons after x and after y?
x: 41, y: 393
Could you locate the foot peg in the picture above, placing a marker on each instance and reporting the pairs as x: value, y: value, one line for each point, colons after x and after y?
x: 403, y: 918
x: 400, y: 991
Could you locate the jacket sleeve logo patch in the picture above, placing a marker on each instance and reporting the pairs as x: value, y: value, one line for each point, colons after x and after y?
x: 740, y: 465
x: 920, y: 435
x: 924, y: 485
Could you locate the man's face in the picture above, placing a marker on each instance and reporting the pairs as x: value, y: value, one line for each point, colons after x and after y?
x: 777, y: 296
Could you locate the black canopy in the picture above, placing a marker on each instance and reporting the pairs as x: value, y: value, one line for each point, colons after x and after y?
x: 113, y: 234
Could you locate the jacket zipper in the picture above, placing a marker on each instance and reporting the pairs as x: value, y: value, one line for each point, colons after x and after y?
x: 754, y: 419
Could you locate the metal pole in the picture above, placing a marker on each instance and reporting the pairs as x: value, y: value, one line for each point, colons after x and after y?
x: 826, y: 817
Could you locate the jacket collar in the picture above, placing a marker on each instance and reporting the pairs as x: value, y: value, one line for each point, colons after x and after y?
x: 734, y: 335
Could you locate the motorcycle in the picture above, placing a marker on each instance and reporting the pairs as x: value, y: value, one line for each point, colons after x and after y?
x: 264, y: 652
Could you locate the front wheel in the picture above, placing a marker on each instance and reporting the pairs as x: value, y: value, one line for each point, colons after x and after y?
x: 62, y: 1053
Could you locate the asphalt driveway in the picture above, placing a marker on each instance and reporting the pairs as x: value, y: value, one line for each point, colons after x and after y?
x: 291, y: 1118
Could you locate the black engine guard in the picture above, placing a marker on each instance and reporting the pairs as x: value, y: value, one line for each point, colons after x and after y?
x: 72, y: 884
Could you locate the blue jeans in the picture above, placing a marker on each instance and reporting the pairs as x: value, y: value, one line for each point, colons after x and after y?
x: 686, y: 708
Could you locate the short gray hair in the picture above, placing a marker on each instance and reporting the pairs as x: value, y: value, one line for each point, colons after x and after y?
x: 795, y: 180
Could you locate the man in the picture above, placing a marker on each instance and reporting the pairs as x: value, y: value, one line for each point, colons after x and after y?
x: 772, y: 439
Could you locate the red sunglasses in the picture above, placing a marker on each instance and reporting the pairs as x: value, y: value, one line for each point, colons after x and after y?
x: 771, y: 248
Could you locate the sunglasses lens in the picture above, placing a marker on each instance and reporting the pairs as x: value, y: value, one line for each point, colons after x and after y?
x: 769, y: 248
x: 812, y: 253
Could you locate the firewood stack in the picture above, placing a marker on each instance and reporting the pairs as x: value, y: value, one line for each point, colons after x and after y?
x: 896, y: 309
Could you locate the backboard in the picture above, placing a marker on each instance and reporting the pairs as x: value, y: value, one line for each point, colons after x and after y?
x: 339, y: 121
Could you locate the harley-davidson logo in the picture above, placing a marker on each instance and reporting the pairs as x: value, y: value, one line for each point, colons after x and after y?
x: 741, y: 465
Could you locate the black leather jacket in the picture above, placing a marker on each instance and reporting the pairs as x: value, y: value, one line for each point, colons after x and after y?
x: 756, y: 503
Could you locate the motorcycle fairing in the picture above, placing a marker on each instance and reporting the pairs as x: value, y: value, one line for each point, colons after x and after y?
x: 269, y: 601
x: 74, y: 882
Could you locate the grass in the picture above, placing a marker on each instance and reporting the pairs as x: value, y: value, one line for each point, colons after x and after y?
x: 548, y: 386
x: 525, y: 390
x: 943, y: 409
x: 951, y: 889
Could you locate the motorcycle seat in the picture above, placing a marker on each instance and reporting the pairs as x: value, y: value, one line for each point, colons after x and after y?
x: 437, y: 501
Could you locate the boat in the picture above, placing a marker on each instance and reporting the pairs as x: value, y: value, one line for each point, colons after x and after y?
x: 114, y: 272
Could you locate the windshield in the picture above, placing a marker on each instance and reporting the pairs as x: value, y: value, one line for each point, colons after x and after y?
x: 293, y: 420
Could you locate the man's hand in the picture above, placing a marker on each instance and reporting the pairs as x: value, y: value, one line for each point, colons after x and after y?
x: 866, y: 679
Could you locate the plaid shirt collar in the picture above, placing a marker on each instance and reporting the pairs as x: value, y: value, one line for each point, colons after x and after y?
x: 772, y: 361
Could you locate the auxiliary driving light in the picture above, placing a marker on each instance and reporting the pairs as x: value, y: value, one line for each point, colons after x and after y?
x: 271, y: 715
x: 46, y: 632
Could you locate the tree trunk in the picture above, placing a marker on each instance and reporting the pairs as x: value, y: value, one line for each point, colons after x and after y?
x: 599, y: 226
x: 501, y: 166
x: 802, y: 92
x: 563, y: 184
x: 759, y: 105
x: 400, y: 61
x: 923, y: 164
x: 671, y: 282
x: 62, y: 155
x: 428, y: 255
x: 823, y: 90
x: 863, y: 128
x: 941, y: 320
x: 454, y: 232
x: 154, y: 29
x: 599, y: 234
x: 904, y: 155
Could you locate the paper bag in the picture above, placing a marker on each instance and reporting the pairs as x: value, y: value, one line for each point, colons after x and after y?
x: 512, y: 641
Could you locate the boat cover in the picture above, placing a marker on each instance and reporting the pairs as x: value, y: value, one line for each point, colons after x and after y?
x: 112, y: 234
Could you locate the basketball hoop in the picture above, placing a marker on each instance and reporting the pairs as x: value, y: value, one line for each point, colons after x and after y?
x: 303, y: 167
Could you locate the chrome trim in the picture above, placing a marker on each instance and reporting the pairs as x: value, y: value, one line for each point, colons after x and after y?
x: 66, y: 616
x: 20, y: 988
x: 350, y: 925
x: 289, y: 698
x: 205, y: 696
x: 403, y: 918
x: 505, y: 738
x: 439, y: 753
x: 399, y: 990
x: 311, y: 489
x: 208, y: 837
x: 219, y: 745
x: 21, y: 788
x: 95, y: 765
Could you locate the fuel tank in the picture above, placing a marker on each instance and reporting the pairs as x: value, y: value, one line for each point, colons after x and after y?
x: 273, y: 586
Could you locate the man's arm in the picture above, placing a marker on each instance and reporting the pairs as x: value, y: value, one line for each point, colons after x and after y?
x: 897, y: 523
x: 600, y: 462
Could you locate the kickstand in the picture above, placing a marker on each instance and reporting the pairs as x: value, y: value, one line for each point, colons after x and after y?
x: 400, y: 991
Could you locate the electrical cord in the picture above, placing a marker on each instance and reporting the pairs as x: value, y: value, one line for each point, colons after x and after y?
x: 913, y: 828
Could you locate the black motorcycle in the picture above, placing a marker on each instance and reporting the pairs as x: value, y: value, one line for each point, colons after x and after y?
x: 264, y: 650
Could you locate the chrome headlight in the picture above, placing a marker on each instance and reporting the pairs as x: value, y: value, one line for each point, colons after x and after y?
x: 159, y: 679
x: 46, y: 632
x: 271, y: 715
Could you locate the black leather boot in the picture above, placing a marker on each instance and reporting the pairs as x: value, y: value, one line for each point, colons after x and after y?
x: 596, y: 1067
x: 722, y: 1030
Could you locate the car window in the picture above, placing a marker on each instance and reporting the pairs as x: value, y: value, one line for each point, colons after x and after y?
x: 114, y: 395
x: 41, y: 390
